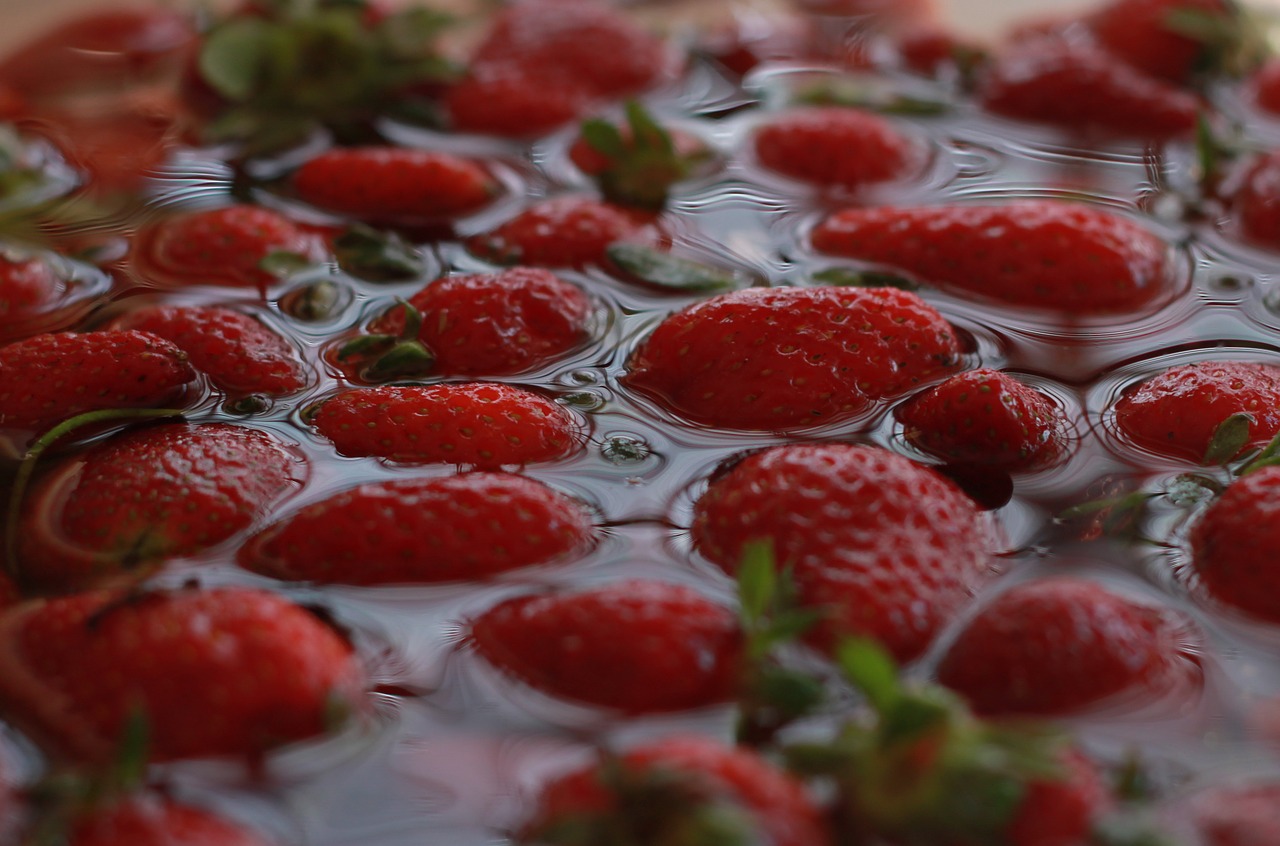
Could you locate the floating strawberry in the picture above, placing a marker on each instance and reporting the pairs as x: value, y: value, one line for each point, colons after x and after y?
x: 149, y: 495
x: 837, y: 146
x: 238, y: 353
x: 562, y: 232
x: 883, y: 547
x: 118, y: 150
x: 636, y: 646
x: 153, y: 820
x: 1264, y: 86
x: 1169, y: 39
x: 393, y: 184
x: 452, y: 528
x: 1180, y: 412
x: 49, y: 378
x: 1255, y: 201
x: 986, y: 417
x: 514, y: 101
x: 480, y: 424
x: 1235, y: 539
x: 1040, y: 253
x: 683, y: 788
x: 778, y: 358
x: 638, y: 162
x: 27, y: 285
x: 231, y: 672
x: 1055, y: 646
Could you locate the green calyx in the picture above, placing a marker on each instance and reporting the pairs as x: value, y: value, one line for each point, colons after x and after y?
x: 384, y: 356
x: 1233, y: 41
x: 642, y: 160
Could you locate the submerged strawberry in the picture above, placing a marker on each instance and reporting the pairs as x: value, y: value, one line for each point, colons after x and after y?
x: 1255, y: 201
x: 638, y: 646
x: 1234, y: 542
x: 148, y: 819
x: 407, y: 531
x: 837, y: 146
x: 1040, y: 253
x: 27, y: 286
x: 562, y: 232
x: 514, y: 101
x: 1170, y: 39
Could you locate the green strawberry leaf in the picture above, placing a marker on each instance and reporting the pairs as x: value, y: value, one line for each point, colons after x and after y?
x: 604, y: 138
x: 315, y: 301
x: 667, y: 271
x: 366, y: 345
x: 375, y: 256
x: 234, y: 57
x: 1268, y: 456
x: 283, y: 263
x: 642, y: 163
x: 847, y: 277
x: 1231, y: 436
x: 757, y: 583
x: 870, y: 669
x: 871, y: 94
x: 407, y: 358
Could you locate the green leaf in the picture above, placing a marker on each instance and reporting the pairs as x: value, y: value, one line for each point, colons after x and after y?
x: 792, y: 693
x: 604, y: 138
x: 1231, y: 436
x: 233, y: 57
x: 668, y: 271
x: 375, y: 256
x: 909, y: 717
x: 646, y: 133
x: 407, y: 358
x: 284, y: 263
x: 1269, y: 456
x: 847, y: 277
x: 872, y: 95
x: 315, y: 301
x: 757, y: 582
x: 366, y: 345
x: 870, y: 669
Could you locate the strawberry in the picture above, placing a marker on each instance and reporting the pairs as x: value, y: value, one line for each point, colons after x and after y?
x: 1038, y: 253
x: 239, y: 353
x: 986, y: 417
x: 1060, y: 645
x: 1234, y: 541
x: 931, y: 50
x: 562, y: 232
x: 1245, y: 814
x: 393, y: 185
x: 479, y: 424
x: 779, y: 358
x: 28, y: 285
x: 232, y: 672
x: 1155, y: 35
x: 514, y: 101
x: 638, y: 646
x: 1255, y: 201
x: 155, y: 493
x: 1264, y: 87
x: 491, y: 324
x: 153, y: 820
x: 224, y: 246
x: 1178, y: 412
x: 453, y: 528
x: 1084, y: 89
x: 119, y: 149
x: 884, y: 547
x: 706, y: 791
x: 837, y: 146
x: 49, y: 378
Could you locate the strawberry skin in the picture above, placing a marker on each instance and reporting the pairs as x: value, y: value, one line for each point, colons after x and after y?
x: 1038, y: 253
x: 838, y: 146
x: 562, y: 232
x: 1264, y: 87
x: 1177, y: 412
x: 889, y: 548
x: 514, y: 101
x: 1141, y: 33
x: 1236, y: 815
x: 149, y: 820
x: 780, y: 358
x: 49, y: 378
x: 26, y: 286
x: 777, y: 808
x: 496, y: 324
x: 1234, y: 543
x: 638, y: 646
x: 1061, y: 811
x: 1059, y: 645
x: 152, y: 494
x: 1256, y: 201
x: 393, y: 184
x: 986, y: 417
x: 481, y: 424
x: 238, y: 353
x: 232, y: 672
x: 455, y: 528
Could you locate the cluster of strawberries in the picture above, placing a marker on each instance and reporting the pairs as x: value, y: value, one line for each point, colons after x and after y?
x: 896, y: 418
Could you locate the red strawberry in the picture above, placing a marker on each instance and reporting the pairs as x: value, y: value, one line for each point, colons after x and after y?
x: 119, y: 149
x: 238, y: 353
x: 986, y: 417
x: 495, y: 324
x: 1147, y: 34
x: 46, y: 379
x: 639, y: 647
x: 1246, y: 814
x: 481, y: 424
x: 1234, y: 542
x: 28, y: 285
x: 686, y: 784
x: 933, y: 51
x: 1256, y: 201
x: 224, y: 246
x: 1178, y: 412
x: 1083, y: 88
x: 562, y: 232
x: 1060, y: 811
x: 887, y: 548
x: 1055, y: 646
x: 391, y: 184
x: 779, y: 358
x: 514, y: 101
x: 1038, y: 253
x: 837, y: 146
x: 150, y: 495
x: 151, y: 820
x: 1264, y: 86
x: 230, y: 672
x: 432, y: 530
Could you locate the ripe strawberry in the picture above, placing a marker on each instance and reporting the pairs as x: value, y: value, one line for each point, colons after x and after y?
x: 562, y: 232
x: 1264, y: 86
x: 1246, y: 814
x: 1059, y: 645
x: 153, y: 820
x: 453, y: 528
x: 1234, y: 541
x: 1255, y: 201
x: 887, y: 548
x: 986, y: 417
x: 778, y: 358
x: 706, y: 791
x: 514, y: 101
x: 393, y: 185
x: 150, y: 495
x: 1084, y: 89
x: 931, y: 50
x: 837, y: 146
x: 639, y: 647
x: 1178, y: 412
x: 230, y: 672
x: 223, y: 246
x: 28, y: 285
x: 49, y: 378
x: 238, y: 353
x: 1039, y: 253
x: 637, y: 162
x: 1147, y: 34
x: 481, y: 424
x: 118, y: 150
x: 494, y: 324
